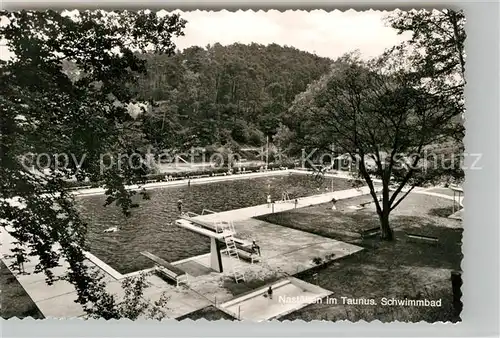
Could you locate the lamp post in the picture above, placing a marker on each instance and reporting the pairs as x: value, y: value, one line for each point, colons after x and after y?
x: 267, y: 152
x: 333, y: 160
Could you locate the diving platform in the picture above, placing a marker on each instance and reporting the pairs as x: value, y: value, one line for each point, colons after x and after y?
x: 218, y: 232
x: 192, y: 226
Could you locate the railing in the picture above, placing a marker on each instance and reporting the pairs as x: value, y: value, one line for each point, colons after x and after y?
x: 285, y: 197
x: 190, y: 214
x: 207, y: 211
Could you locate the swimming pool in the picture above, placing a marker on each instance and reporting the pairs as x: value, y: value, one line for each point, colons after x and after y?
x: 150, y: 227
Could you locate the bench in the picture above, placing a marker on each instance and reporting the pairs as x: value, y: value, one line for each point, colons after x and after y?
x: 165, y: 270
x: 247, y: 253
x: 370, y: 232
x: 242, y: 243
x: 245, y: 250
x: 426, y: 239
x: 369, y: 202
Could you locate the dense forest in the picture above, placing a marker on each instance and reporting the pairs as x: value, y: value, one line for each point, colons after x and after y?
x: 223, y: 95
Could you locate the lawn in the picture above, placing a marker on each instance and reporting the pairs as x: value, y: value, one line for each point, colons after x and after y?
x: 399, y: 269
x: 417, y: 213
x: 14, y: 301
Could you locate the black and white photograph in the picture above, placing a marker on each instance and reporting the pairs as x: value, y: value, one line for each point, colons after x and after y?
x: 233, y: 165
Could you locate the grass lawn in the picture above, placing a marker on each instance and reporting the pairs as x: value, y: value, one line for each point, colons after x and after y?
x: 399, y: 269
x: 14, y: 301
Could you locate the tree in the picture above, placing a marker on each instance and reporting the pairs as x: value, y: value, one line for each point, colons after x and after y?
x: 75, y: 123
x: 371, y: 110
x: 435, y: 52
x: 132, y: 305
x: 210, y: 93
x: 437, y: 42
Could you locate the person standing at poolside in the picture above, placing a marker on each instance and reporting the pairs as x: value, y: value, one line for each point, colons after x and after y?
x: 334, y: 202
x: 270, y: 292
x: 268, y: 200
x: 179, y: 206
x: 20, y: 262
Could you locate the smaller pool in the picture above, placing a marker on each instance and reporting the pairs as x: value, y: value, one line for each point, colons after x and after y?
x: 287, y: 296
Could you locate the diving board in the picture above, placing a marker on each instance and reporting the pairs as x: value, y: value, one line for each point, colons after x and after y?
x: 217, y: 232
x: 212, y: 227
x: 190, y: 225
x: 167, y: 269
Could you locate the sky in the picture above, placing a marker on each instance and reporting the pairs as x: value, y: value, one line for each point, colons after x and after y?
x: 327, y: 34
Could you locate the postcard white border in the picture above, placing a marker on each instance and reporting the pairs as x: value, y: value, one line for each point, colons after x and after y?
x: 481, y: 234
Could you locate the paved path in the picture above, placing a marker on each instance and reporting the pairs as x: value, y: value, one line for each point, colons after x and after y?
x: 264, y: 209
x: 429, y: 192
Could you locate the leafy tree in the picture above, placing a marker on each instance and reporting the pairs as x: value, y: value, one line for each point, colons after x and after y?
x: 437, y: 42
x: 393, y: 109
x: 212, y: 93
x: 131, y: 305
x: 435, y: 53
x: 67, y: 94
x: 436, y: 57
x: 378, y: 113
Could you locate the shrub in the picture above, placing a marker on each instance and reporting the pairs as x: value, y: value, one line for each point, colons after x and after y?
x: 317, y: 260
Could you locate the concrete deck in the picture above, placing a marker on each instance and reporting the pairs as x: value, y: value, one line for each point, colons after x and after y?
x: 285, y: 252
x: 57, y: 300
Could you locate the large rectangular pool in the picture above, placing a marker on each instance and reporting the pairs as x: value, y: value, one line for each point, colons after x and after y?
x: 151, y: 228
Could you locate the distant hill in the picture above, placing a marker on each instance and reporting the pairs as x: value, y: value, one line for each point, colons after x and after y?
x: 232, y: 94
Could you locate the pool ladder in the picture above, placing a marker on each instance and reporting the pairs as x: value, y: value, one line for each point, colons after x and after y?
x: 227, y: 229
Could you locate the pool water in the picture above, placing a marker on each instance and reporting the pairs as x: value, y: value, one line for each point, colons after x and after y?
x: 151, y: 228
